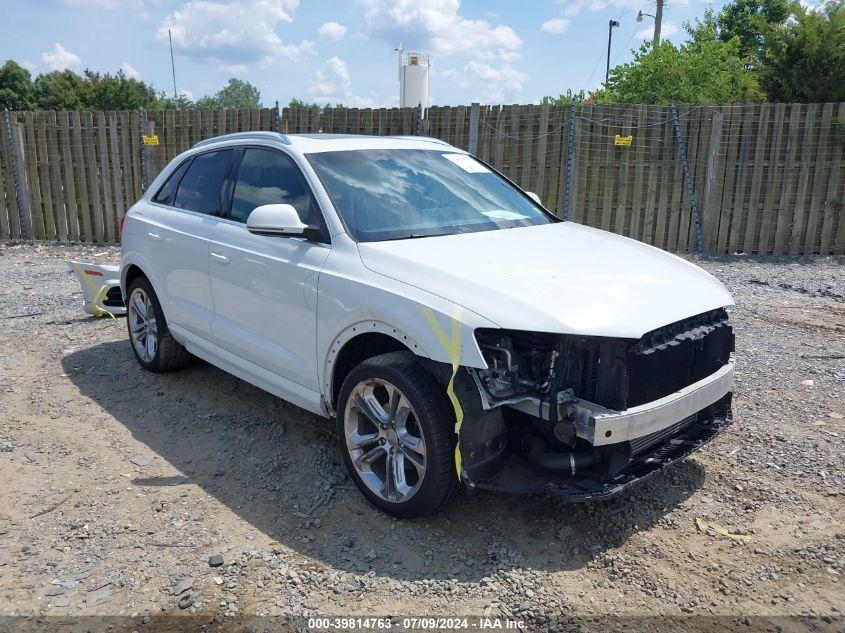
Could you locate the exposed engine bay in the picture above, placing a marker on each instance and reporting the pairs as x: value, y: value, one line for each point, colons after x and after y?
x: 577, y: 415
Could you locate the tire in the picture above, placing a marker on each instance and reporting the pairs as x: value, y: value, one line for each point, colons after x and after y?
x: 423, y: 413
x: 152, y: 343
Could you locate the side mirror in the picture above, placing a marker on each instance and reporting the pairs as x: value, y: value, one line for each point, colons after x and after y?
x: 281, y: 220
x: 534, y: 197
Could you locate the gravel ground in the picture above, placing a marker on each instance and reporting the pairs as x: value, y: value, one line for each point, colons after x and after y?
x: 118, y: 485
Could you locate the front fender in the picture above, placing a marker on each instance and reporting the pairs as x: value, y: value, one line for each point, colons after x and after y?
x: 428, y: 325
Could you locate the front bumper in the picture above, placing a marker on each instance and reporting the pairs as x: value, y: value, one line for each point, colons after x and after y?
x: 601, y: 427
x: 632, y: 460
x: 100, y: 288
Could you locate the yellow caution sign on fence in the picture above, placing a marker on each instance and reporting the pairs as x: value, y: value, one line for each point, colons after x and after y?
x: 623, y: 140
x: 151, y: 140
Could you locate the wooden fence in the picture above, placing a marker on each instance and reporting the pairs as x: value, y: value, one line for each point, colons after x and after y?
x: 754, y: 178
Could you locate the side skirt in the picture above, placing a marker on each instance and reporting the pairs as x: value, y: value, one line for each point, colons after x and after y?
x: 283, y: 388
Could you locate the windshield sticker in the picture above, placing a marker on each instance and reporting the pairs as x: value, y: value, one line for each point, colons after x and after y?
x: 501, y: 214
x: 467, y: 163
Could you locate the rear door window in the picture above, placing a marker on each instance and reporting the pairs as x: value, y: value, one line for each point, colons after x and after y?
x: 201, y: 188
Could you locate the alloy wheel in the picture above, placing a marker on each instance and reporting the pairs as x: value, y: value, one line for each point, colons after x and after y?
x: 142, y: 325
x: 385, y: 440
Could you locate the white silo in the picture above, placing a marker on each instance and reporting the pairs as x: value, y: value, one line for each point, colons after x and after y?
x: 413, y: 79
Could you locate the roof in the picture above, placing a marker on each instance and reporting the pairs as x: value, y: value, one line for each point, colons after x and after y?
x: 311, y: 143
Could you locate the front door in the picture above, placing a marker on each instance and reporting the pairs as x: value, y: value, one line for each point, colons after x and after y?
x: 265, y: 287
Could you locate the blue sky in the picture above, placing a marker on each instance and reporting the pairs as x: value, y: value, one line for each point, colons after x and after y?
x: 494, y: 51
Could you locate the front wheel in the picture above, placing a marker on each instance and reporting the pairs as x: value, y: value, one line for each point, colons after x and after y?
x: 396, y: 432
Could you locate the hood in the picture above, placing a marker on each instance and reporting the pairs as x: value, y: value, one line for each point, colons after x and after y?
x: 561, y: 278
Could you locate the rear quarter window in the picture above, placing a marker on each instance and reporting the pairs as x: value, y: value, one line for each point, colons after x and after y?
x: 168, y: 189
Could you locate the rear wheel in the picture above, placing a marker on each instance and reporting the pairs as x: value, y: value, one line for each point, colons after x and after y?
x: 396, y: 432
x: 152, y: 343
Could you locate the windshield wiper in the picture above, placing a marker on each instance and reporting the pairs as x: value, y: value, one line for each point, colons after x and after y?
x: 415, y: 236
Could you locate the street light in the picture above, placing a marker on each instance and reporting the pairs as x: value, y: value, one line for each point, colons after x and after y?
x: 611, y: 24
x: 657, y: 21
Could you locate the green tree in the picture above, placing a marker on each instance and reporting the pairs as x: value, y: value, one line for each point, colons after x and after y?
x: 236, y: 94
x: 805, y: 58
x: 751, y: 21
x: 702, y: 70
x: 119, y: 92
x: 16, y: 89
x: 565, y: 99
x: 179, y: 103
x: 60, y: 90
x: 299, y: 103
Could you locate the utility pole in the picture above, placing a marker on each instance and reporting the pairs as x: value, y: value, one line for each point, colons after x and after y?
x: 610, y: 26
x: 173, y: 64
x: 658, y: 18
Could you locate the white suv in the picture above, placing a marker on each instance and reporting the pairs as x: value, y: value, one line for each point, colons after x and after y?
x: 459, y: 332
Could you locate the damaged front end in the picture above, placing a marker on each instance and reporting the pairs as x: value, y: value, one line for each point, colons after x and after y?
x: 582, y: 417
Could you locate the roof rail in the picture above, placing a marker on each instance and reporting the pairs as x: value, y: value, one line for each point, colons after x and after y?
x: 430, y: 139
x: 245, y: 136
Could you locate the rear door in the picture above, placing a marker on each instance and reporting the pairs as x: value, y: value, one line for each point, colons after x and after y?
x: 265, y: 287
x: 179, y: 224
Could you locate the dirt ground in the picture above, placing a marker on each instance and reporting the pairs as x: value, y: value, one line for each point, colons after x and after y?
x: 117, y: 485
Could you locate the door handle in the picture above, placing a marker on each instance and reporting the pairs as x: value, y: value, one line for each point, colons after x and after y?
x: 154, y: 236
x: 220, y: 259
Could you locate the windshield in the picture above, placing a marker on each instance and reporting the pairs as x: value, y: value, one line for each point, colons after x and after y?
x: 388, y: 194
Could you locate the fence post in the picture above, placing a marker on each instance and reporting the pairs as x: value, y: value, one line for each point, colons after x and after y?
x: 276, y: 127
x: 473, y: 128
x: 710, y: 204
x: 143, y: 116
x: 570, y: 159
x: 22, y: 220
x: 687, y: 177
x: 418, y: 120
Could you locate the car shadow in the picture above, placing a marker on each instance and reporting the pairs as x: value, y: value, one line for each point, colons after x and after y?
x: 278, y: 468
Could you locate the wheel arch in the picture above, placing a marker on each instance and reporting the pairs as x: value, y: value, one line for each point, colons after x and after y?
x: 130, y: 274
x: 132, y: 267
x: 358, y: 343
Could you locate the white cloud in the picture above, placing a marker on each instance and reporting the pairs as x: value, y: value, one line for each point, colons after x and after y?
x: 187, y: 94
x: 438, y: 27
x: 647, y: 33
x: 60, y: 58
x: 333, y: 84
x: 576, y: 7
x: 332, y: 80
x: 234, y: 69
x: 496, y: 84
x: 332, y: 30
x: 232, y: 32
x: 130, y: 71
x: 555, y: 25
x: 435, y: 26
x: 455, y: 75
x: 107, y: 4
x: 499, y: 82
